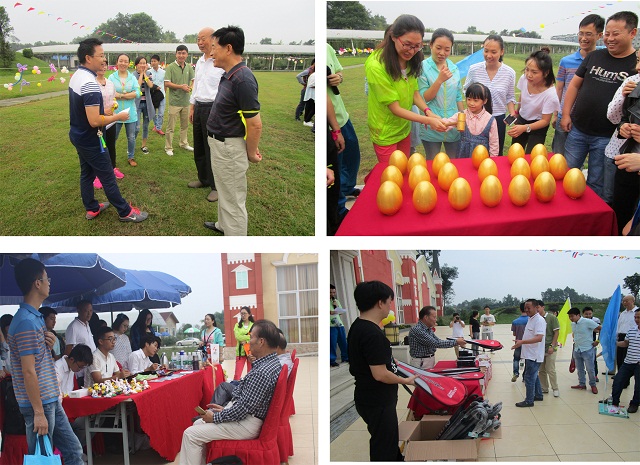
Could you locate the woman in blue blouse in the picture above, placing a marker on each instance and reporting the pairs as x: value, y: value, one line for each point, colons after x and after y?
x: 127, y: 91
x: 441, y: 87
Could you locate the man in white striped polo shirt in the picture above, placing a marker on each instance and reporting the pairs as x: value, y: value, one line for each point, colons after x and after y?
x: 630, y: 367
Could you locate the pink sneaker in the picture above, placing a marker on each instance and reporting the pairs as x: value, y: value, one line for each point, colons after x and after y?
x: 97, y: 184
x: 118, y: 173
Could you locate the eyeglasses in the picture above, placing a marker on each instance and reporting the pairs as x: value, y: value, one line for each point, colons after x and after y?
x: 588, y: 35
x: 111, y: 338
x: 42, y: 280
x: 244, y: 314
x: 97, y: 56
x: 410, y: 47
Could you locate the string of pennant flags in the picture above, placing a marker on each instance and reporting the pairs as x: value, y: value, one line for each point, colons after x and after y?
x: 575, y: 254
x: 74, y: 24
x: 597, y: 9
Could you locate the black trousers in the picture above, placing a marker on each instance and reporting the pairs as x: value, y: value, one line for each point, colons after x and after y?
x: 382, y: 424
x: 621, y: 352
x: 201, y: 152
x: 309, y: 110
x: 333, y: 192
x: 300, y: 107
x: 531, y: 139
x: 110, y: 140
x: 626, y: 191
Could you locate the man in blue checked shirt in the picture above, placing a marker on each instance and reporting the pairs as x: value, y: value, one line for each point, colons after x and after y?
x: 243, y: 416
x: 423, y: 342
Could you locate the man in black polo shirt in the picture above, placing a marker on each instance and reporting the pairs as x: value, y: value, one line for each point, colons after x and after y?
x: 234, y: 129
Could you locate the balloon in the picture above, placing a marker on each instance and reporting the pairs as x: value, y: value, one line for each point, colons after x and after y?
x: 424, y: 197
x: 392, y: 173
x: 519, y: 190
x: 460, y: 194
x: 446, y: 175
x: 544, y: 186
x: 574, y: 183
x: 392, y: 317
x: 39, y: 85
x: 389, y: 198
x: 399, y: 159
x: 515, y: 151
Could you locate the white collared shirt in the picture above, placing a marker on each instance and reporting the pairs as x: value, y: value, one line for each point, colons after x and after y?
x: 138, y: 362
x: 79, y: 332
x: 205, y: 85
x: 535, y: 326
x: 106, y: 365
x: 65, y: 376
x: 625, y: 320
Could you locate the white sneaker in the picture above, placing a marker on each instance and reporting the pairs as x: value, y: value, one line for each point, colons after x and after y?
x: 169, y: 152
x: 308, y: 123
x: 188, y: 147
x: 556, y: 393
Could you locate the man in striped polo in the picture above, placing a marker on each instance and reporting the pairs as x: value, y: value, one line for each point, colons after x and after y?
x: 33, y: 371
x: 234, y: 127
x: 630, y: 367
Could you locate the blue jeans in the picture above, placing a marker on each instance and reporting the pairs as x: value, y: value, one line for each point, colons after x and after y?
x: 625, y: 372
x: 559, y: 138
x: 60, y: 432
x: 431, y: 149
x: 531, y: 380
x: 349, y: 164
x: 144, y: 116
x: 576, y: 148
x: 92, y: 164
x: 516, y: 361
x: 159, y: 118
x: 338, y: 336
x: 131, y: 136
x: 584, y: 360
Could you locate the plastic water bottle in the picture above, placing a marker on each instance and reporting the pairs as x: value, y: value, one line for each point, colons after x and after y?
x: 164, y: 361
x: 182, y: 359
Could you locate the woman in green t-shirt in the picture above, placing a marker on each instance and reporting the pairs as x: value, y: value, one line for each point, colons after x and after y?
x: 392, y: 75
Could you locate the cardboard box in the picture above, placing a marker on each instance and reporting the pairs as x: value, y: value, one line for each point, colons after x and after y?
x: 421, y: 445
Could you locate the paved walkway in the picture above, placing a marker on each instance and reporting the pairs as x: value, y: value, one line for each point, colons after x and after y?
x: 31, y: 98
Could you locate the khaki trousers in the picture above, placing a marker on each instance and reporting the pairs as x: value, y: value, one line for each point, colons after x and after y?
x: 174, y: 114
x: 548, y: 368
x: 196, y: 437
x: 229, y: 163
x: 423, y: 363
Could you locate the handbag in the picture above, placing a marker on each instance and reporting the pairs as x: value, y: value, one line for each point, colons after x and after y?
x: 156, y: 96
x: 42, y: 459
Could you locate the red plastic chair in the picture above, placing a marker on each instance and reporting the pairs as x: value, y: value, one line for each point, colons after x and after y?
x: 293, y: 355
x: 293, y: 405
x: 264, y: 449
x: 285, y: 438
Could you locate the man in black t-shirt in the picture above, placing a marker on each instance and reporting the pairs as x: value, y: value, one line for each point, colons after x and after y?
x: 591, y: 89
x: 373, y: 367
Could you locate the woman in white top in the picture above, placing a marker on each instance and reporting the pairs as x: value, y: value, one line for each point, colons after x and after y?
x: 122, y: 348
x: 500, y: 79
x: 458, y: 329
x: 538, y: 101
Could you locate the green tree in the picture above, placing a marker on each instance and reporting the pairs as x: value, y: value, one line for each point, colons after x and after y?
x: 6, y: 53
x: 219, y: 320
x: 266, y: 41
x: 136, y: 27
x: 449, y: 275
x: 633, y: 284
x: 169, y: 37
x: 379, y: 23
x: 310, y: 42
x: 190, y: 38
x: 348, y: 15
x: 472, y: 30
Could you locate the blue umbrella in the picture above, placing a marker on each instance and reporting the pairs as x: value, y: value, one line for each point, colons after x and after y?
x: 72, y: 274
x: 183, y: 288
x: 143, y: 289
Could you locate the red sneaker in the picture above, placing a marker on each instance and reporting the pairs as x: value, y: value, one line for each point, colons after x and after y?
x: 118, y: 173
x: 159, y: 131
x: 97, y: 184
x: 91, y: 215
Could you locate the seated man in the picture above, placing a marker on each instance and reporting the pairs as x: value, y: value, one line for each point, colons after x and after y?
x: 104, y: 366
x: 66, y: 367
x: 139, y: 360
x: 242, y: 418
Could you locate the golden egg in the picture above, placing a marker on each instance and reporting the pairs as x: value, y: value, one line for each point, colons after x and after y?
x: 425, y: 197
x: 447, y: 174
x: 487, y: 167
x: 418, y: 173
x: 399, y: 159
x: 491, y: 191
x: 558, y: 166
x: 520, y: 166
x: 519, y: 190
x: 389, y: 198
x: 538, y: 165
x: 392, y: 173
x: 515, y: 151
x: 539, y: 149
x: 574, y: 183
x: 414, y: 160
x: 460, y: 194
x: 438, y: 162
x: 544, y: 186
x: 479, y: 153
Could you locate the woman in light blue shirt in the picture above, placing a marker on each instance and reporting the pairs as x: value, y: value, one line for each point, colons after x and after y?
x: 441, y: 87
x: 127, y: 91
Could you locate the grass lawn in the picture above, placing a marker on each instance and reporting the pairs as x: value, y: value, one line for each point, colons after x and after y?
x: 7, y: 77
x: 352, y: 91
x: 39, y: 179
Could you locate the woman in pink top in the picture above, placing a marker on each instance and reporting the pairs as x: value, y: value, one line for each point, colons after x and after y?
x: 108, y: 98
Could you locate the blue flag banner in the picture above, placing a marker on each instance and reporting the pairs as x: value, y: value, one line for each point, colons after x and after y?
x: 464, y: 64
x: 608, y: 333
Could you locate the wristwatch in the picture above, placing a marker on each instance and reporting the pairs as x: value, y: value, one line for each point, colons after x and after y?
x: 528, y: 128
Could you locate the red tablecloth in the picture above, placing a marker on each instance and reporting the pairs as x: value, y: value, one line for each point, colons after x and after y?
x: 420, y: 397
x: 587, y: 216
x: 165, y: 409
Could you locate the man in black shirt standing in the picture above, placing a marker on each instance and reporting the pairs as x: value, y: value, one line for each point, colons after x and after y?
x: 591, y: 89
x: 374, y: 370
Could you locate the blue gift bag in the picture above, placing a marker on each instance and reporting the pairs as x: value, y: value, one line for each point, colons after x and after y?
x: 42, y: 459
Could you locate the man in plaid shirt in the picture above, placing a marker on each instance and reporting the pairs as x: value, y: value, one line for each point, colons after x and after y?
x: 423, y: 342
x: 242, y: 417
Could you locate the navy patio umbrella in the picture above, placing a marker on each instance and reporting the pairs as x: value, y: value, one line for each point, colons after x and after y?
x: 72, y: 275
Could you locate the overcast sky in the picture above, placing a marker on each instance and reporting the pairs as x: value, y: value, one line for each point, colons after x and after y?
x: 285, y: 20
x: 500, y: 15
x: 525, y: 274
